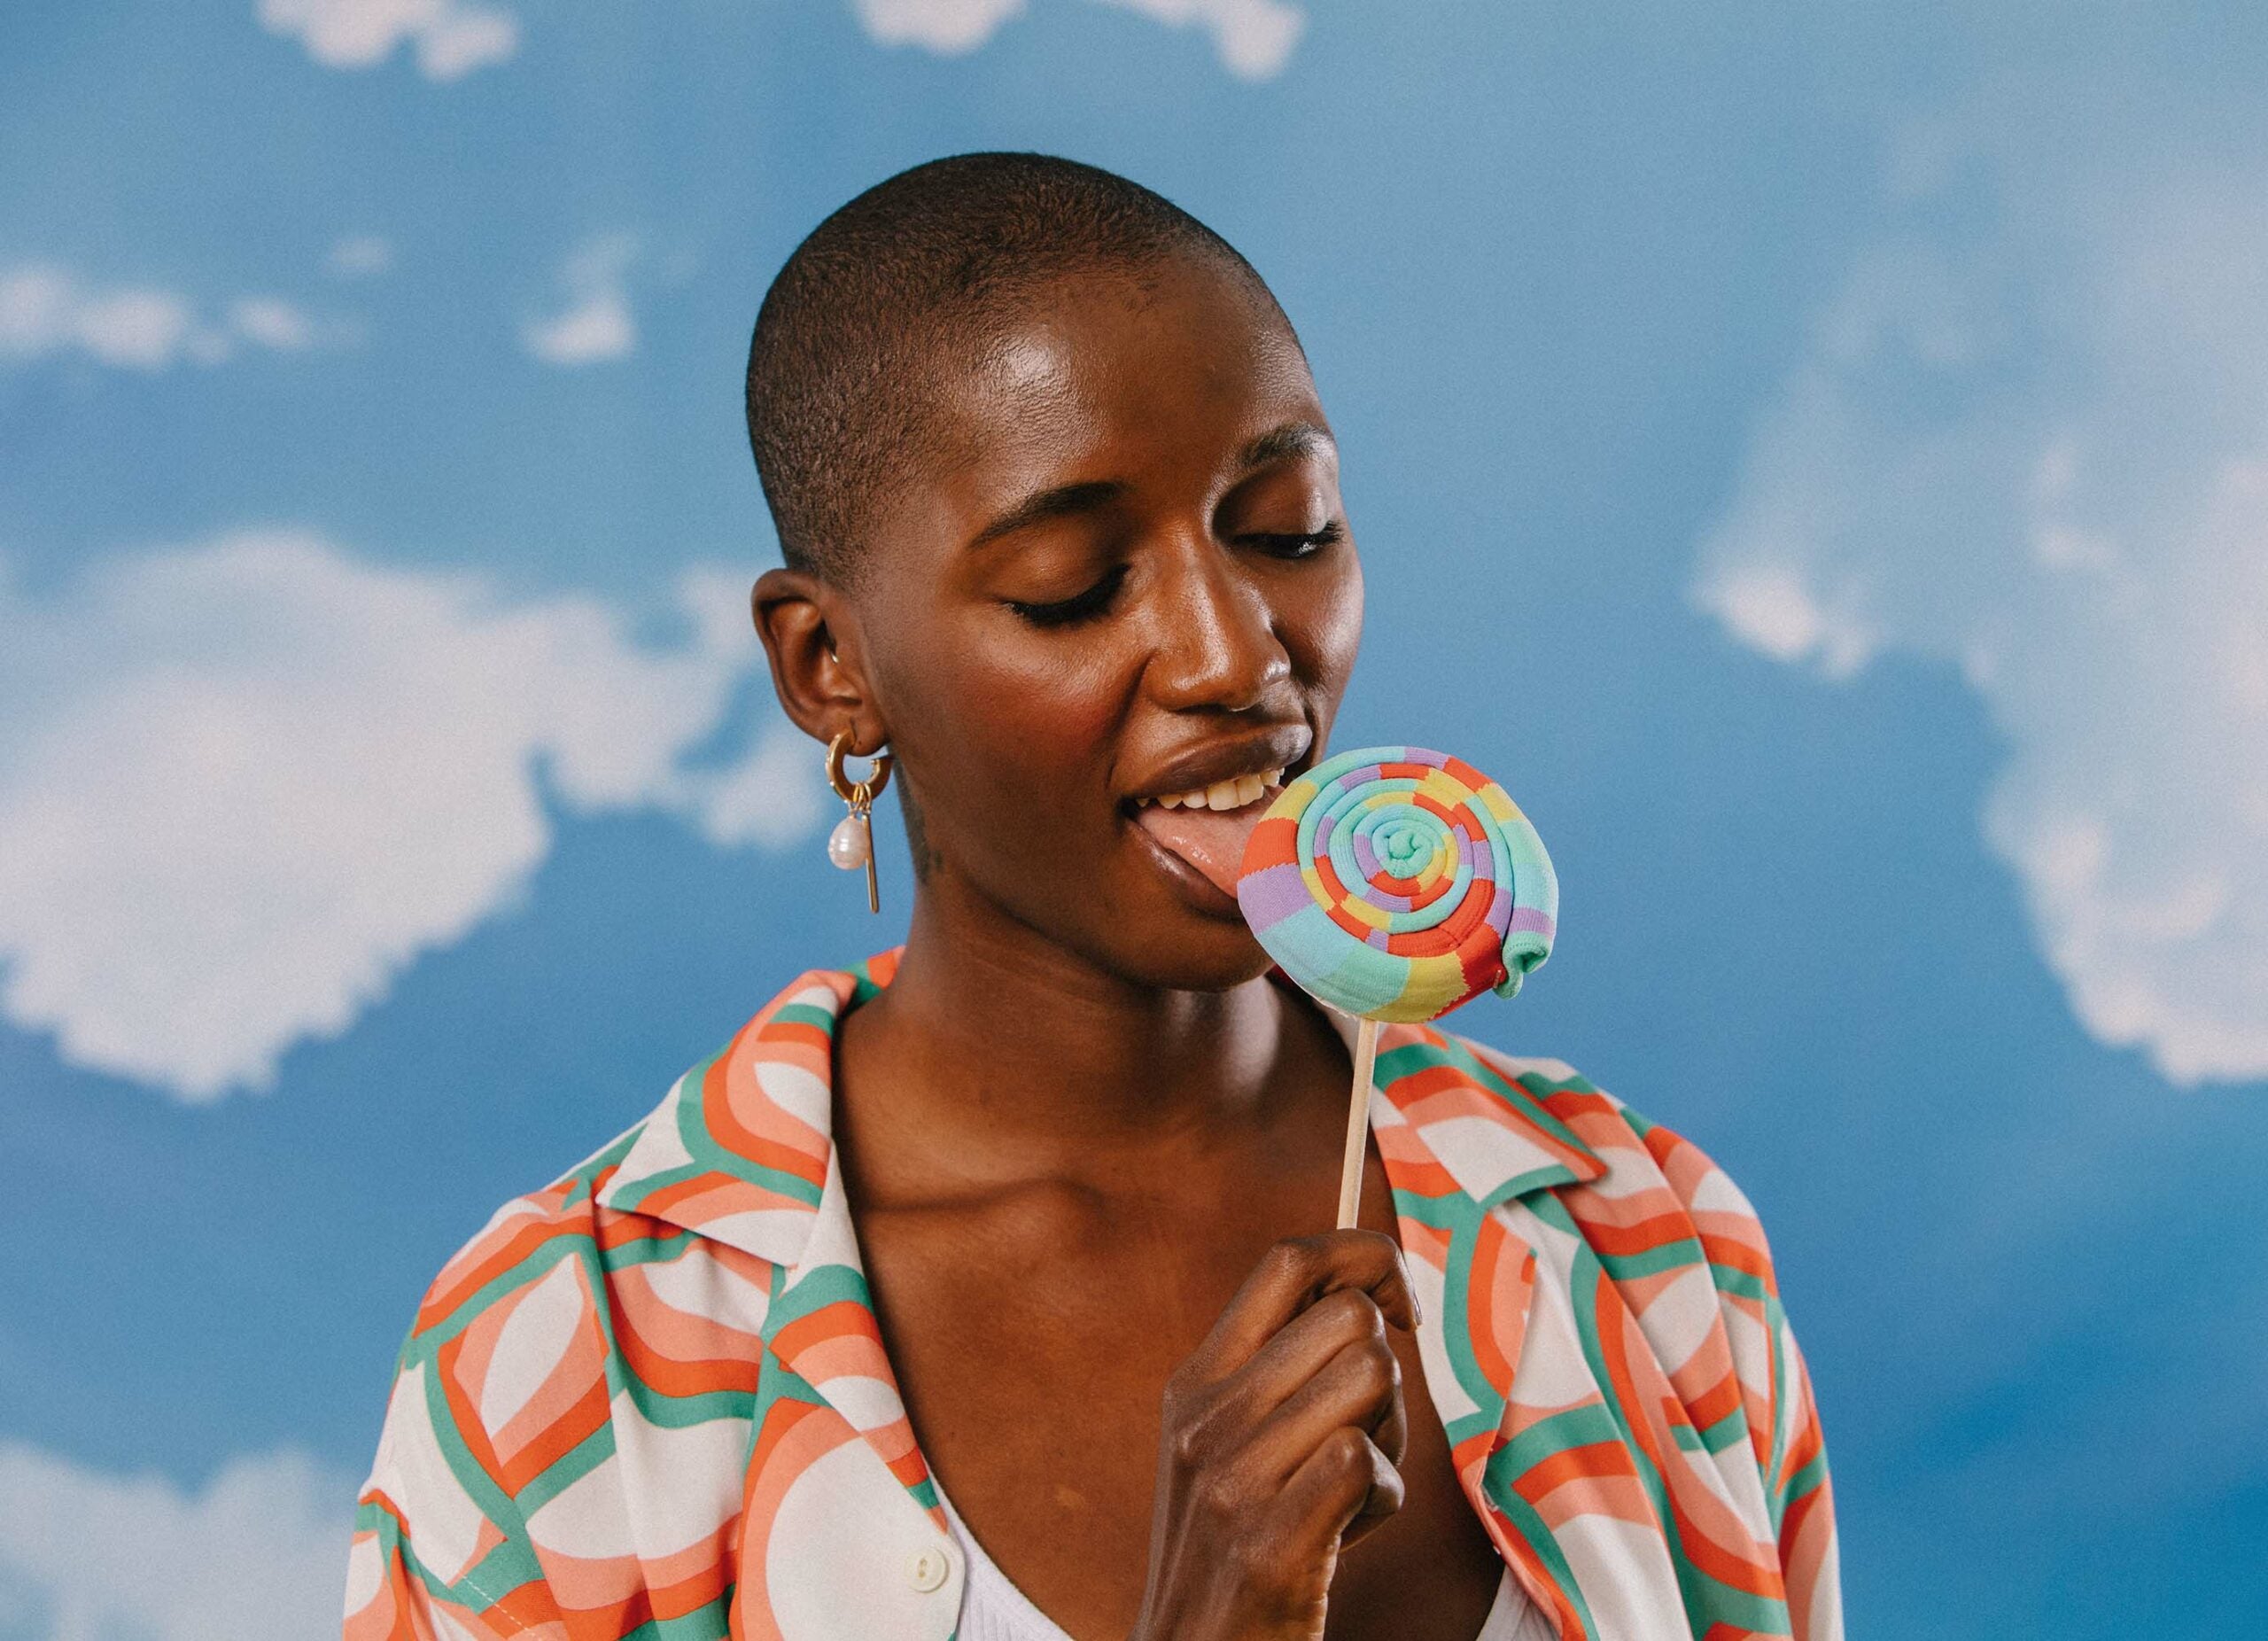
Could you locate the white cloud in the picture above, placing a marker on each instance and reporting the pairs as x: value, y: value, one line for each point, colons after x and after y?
x: 451, y: 38
x: 357, y: 255
x: 47, y: 312
x: 259, y: 1554
x: 951, y: 26
x: 270, y: 323
x: 1253, y: 37
x: 596, y: 324
x: 2030, y: 441
x: 1769, y: 606
x: 464, y: 38
x: 243, y: 784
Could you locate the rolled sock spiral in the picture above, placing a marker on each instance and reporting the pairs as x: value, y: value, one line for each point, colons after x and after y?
x: 1396, y: 882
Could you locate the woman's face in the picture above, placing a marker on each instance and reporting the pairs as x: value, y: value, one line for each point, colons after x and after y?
x: 1133, y: 578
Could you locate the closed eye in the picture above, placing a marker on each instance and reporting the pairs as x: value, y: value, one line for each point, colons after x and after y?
x: 1297, y: 545
x: 1080, y: 607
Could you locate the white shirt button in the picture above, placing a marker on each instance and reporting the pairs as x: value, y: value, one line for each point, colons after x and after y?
x: 926, y: 1569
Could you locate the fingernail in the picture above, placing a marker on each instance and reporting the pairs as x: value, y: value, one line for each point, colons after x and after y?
x: 1417, y: 1308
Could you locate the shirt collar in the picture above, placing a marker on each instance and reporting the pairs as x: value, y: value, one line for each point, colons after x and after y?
x: 742, y: 1149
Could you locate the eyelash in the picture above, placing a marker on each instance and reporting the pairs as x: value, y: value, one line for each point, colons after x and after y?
x: 1302, y: 546
x: 1096, y: 598
x: 1093, y: 601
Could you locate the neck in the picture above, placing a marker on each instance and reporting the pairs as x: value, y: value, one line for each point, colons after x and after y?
x: 1027, y: 1054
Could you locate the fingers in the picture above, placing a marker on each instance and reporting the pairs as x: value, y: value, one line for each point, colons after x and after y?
x: 1333, y: 1360
x: 1295, y: 1274
x: 1280, y: 1437
x: 1359, y: 1388
x: 1346, y: 1487
x: 1331, y: 1366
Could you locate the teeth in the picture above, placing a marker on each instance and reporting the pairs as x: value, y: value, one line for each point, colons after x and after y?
x: 1230, y: 794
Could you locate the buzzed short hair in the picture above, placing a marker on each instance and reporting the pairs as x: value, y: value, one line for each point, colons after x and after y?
x: 908, y: 280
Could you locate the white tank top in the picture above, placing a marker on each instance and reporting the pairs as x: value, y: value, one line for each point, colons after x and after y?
x: 993, y: 1609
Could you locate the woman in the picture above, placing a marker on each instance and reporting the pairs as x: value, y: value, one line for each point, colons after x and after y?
x: 977, y: 1290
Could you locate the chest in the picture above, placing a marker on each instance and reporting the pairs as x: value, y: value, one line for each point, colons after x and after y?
x: 1032, y: 1341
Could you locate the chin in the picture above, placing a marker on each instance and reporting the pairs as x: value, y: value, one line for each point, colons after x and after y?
x: 1190, y: 954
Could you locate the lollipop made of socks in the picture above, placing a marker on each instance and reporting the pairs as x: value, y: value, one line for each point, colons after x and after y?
x: 1392, y: 882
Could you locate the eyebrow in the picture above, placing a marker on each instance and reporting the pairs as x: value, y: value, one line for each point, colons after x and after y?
x: 1291, y: 439
x: 1091, y: 495
x: 1063, y: 501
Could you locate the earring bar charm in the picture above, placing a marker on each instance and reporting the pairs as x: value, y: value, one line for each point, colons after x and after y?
x: 852, y: 845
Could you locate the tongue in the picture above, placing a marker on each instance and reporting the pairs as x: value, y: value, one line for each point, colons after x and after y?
x: 1211, y: 840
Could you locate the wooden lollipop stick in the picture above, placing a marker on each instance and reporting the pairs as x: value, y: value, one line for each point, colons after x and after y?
x: 1358, y: 1124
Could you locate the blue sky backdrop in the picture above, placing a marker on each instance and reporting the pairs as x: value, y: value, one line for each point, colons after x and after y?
x: 1817, y: 458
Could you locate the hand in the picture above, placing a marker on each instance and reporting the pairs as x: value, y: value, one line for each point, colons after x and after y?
x: 1279, y: 1443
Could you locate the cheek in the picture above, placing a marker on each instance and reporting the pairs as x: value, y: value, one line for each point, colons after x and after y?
x: 1046, y: 708
x: 1061, y: 697
x: 1008, y: 737
x: 1321, y: 624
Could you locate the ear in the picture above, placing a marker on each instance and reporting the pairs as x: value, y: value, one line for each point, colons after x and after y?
x: 812, y: 639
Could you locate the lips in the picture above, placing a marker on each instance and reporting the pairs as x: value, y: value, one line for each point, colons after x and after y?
x: 1197, y: 809
x: 1212, y: 841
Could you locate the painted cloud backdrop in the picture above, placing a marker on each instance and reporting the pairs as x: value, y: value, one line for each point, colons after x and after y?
x: 254, y: 778
x: 2029, y: 439
x: 1821, y: 460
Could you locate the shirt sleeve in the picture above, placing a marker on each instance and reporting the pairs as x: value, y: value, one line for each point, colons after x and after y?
x: 1792, y: 1447
x: 427, y: 1545
x: 441, y: 1547
x: 1802, y: 1497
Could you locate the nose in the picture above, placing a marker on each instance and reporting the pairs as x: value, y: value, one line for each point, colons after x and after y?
x: 1216, y: 647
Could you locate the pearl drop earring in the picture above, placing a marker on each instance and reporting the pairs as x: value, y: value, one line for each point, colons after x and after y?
x: 852, y: 845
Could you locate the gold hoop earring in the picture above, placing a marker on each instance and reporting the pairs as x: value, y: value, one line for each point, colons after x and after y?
x: 852, y: 845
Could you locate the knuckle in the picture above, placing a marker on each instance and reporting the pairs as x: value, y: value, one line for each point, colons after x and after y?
x: 1380, y: 1374
x: 1222, y: 1489
x: 1372, y: 1320
x: 1372, y: 1249
x: 1195, y: 1430
x: 1353, y: 1315
x: 1353, y: 1476
x: 1348, y: 1450
x: 1186, y: 1443
x: 1293, y: 1256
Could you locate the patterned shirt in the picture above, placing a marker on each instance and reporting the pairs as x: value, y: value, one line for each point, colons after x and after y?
x: 651, y: 1400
